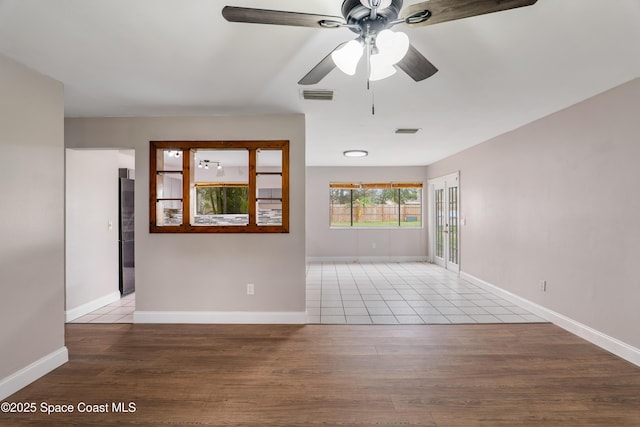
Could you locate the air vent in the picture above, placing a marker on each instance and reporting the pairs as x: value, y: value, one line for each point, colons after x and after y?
x: 318, y: 95
x: 407, y: 131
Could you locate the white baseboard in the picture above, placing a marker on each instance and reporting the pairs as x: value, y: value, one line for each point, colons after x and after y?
x: 87, y: 308
x: 613, y: 345
x: 32, y: 372
x: 236, y: 317
x: 365, y: 259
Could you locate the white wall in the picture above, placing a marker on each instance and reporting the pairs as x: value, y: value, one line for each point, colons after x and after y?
x: 127, y: 159
x: 32, y: 226
x: 357, y: 244
x: 558, y: 200
x: 179, y: 276
x: 228, y: 174
x: 91, y: 246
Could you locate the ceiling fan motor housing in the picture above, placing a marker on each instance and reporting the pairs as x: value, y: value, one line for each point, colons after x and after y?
x: 357, y: 14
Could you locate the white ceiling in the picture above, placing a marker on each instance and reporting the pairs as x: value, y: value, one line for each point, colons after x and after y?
x: 176, y: 57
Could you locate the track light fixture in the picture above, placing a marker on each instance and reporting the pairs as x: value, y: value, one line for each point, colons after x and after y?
x: 205, y: 164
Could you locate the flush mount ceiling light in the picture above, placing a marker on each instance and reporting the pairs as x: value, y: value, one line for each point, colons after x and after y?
x: 355, y: 153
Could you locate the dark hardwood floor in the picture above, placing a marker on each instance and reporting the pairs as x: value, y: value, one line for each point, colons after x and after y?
x: 248, y: 375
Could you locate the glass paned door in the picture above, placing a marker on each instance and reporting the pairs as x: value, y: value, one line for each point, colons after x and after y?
x: 453, y: 224
x: 440, y: 222
x: 445, y: 236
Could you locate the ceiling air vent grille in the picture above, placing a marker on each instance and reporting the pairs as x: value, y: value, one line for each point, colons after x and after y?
x: 318, y: 95
x: 407, y: 131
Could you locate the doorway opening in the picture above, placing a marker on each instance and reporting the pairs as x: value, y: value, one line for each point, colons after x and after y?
x: 99, y: 236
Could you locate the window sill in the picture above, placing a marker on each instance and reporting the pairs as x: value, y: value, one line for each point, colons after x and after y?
x: 377, y: 228
x: 218, y: 229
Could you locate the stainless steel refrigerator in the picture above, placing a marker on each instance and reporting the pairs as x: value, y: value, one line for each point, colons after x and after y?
x: 126, y: 230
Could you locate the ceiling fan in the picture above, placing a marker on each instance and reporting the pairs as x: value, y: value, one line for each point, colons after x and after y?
x: 371, y: 20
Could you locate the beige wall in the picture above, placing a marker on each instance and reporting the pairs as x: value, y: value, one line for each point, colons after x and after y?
x: 32, y: 225
x: 209, y: 272
x: 323, y: 242
x: 558, y: 200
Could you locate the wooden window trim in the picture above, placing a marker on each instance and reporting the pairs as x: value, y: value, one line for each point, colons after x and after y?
x: 373, y: 185
x: 188, y: 174
x: 221, y: 184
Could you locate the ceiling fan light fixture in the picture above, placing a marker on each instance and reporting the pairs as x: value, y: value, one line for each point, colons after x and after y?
x: 369, y: 18
x: 347, y: 57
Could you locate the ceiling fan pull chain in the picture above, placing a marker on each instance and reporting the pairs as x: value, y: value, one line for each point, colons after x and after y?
x: 373, y: 102
x: 368, y: 48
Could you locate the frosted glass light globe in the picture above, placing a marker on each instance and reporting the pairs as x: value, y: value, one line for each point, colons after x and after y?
x: 380, y: 68
x: 347, y: 57
x: 393, y: 46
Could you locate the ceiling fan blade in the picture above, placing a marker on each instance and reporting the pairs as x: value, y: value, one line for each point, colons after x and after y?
x: 319, y: 72
x: 416, y: 65
x: 278, y: 17
x: 450, y: 10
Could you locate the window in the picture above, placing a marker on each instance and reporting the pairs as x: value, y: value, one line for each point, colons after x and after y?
x: 219, y: 187
x: 215, y: 200
x: 376, y: 204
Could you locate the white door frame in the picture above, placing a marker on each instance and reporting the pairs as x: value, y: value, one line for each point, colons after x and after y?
x: 443, y: 181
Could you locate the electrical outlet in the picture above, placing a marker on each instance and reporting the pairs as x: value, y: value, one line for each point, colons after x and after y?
x: 250, y: 289
x: 543, y: 285
x: 373, y: 245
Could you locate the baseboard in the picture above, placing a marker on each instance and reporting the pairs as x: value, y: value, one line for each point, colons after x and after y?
x: 365, y: 259
x: 87, y: 308
x: 32, y: 372
x: 613, y: 345
x: 228, y: 317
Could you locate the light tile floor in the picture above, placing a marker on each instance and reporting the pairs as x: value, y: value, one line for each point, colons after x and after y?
x: 120, y: 311
x: 401, y: 293
x: 378, y: 293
